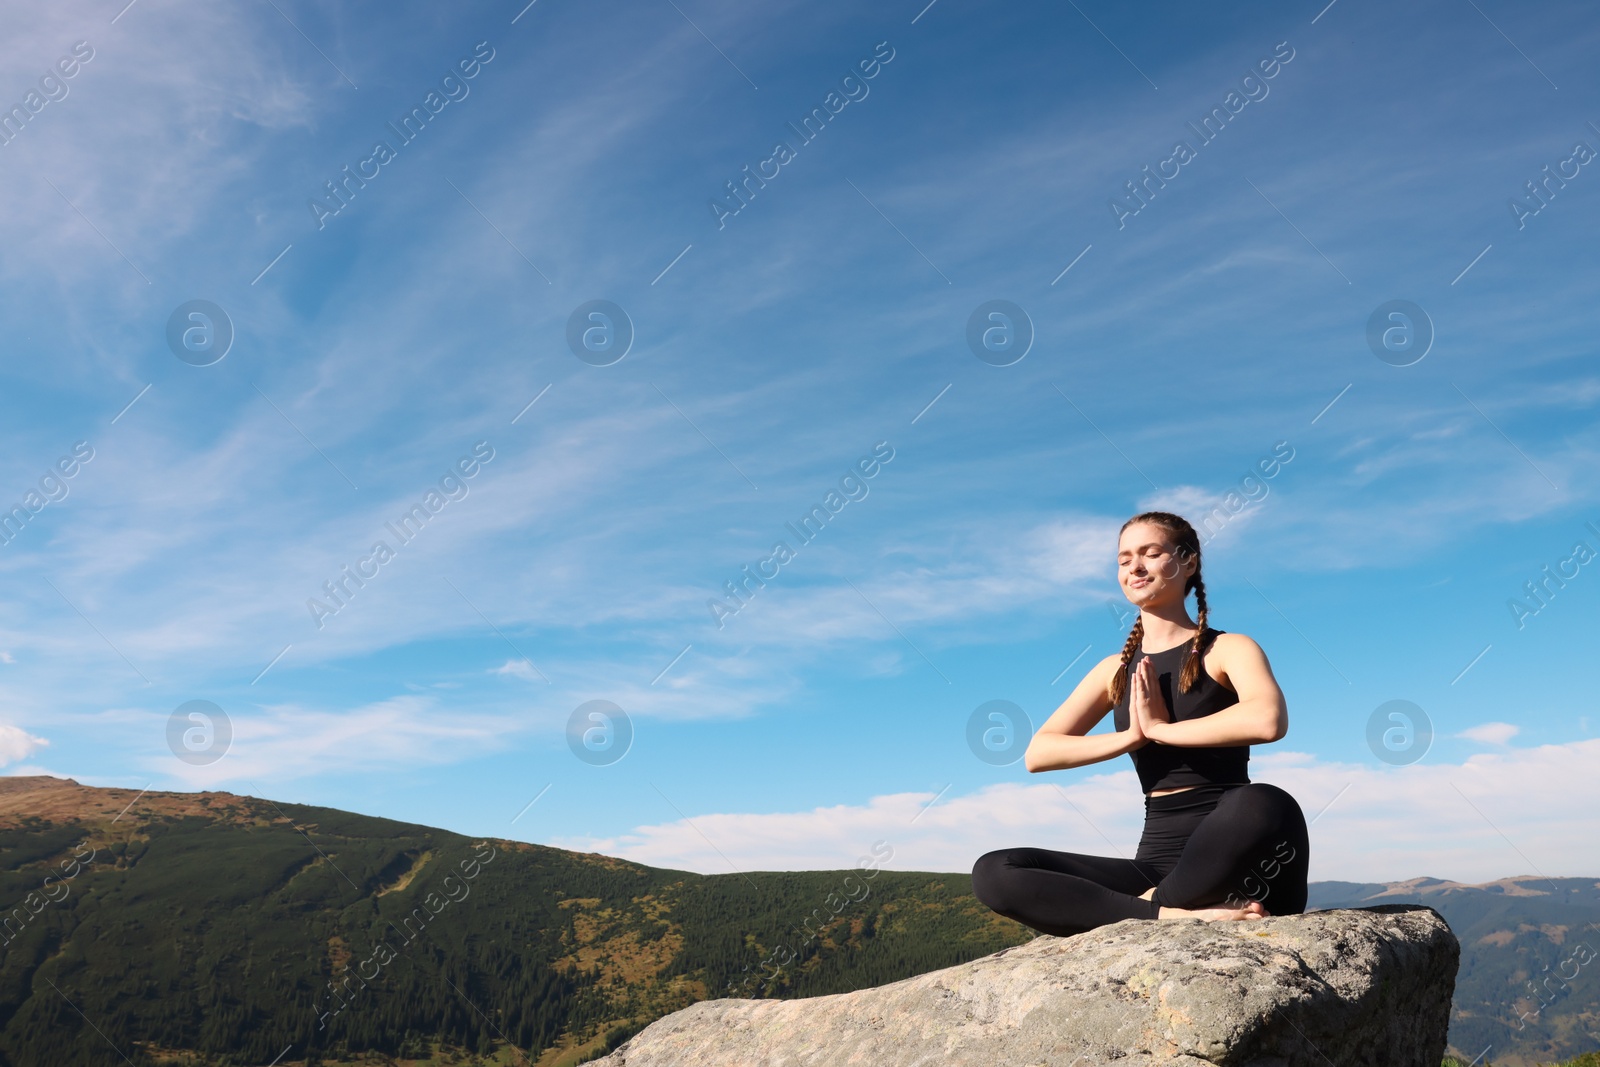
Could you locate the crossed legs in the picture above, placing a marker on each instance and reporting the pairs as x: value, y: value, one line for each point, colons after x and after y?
x: 1063, y: 893
x: 1252, y: 846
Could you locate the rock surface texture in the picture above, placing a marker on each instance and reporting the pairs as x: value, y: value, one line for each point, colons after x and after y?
x: 1346, y: 987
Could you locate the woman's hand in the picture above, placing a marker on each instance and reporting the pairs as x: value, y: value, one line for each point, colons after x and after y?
x: 1147, y: 708
x: 1064, y: 740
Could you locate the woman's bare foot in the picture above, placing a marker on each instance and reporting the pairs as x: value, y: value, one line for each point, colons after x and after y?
x: 1252, y: 910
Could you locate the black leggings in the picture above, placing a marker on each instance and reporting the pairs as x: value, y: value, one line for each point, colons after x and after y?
x: 1210, y: 846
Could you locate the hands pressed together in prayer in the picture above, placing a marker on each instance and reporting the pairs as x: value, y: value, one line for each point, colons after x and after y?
x: 1148, y: 713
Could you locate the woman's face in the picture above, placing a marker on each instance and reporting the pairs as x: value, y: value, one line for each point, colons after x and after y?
x: 1148, y: 568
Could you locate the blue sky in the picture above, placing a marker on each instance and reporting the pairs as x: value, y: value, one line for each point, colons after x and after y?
x: 1173, y: 349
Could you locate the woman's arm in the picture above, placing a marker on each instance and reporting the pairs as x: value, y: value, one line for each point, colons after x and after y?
x: 1260, y: 716
x: 1062, y: 742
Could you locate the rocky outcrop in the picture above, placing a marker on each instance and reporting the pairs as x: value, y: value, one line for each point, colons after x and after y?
x: 1356, y: 986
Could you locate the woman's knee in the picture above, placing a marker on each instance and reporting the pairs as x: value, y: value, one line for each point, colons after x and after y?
x: 988, y: 876
x: 1274, y: 796
x: 1266, y: 808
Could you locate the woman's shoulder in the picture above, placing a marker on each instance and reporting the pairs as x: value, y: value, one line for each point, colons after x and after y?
x: 1223, y: 642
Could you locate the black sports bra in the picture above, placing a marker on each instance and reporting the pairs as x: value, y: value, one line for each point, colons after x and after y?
x: 1171, y: 766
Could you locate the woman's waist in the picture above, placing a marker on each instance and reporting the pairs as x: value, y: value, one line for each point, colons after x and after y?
x: 1164, y: 767
x: 1203, y: 795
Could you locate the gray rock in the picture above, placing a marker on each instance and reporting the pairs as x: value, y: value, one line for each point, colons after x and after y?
x: 1346, y: 987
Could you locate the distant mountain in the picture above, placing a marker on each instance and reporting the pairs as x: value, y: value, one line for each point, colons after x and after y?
x: 220, y: 930
x: 1529, y: 985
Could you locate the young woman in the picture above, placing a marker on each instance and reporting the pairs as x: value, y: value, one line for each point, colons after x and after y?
x: 1188, y: 702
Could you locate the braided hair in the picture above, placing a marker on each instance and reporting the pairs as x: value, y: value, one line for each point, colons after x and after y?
x: 1186, y: 544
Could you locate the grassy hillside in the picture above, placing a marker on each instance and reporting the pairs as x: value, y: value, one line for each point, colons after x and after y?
x: 220, y: 931
x: 236, y: 930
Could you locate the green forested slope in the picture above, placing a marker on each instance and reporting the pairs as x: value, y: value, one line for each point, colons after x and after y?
x: 256, y: 928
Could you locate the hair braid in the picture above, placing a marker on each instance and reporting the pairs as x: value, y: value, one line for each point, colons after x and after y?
x: 1191, y: 663
x: 1119, y: 684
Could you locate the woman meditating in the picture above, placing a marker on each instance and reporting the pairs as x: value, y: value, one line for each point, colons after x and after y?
x: 1188, y: 702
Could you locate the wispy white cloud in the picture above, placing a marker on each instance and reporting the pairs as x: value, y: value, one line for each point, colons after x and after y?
x: 1522, y: 811
x: 16, y: 743
x: 516, y: 668
x: 166, y: 97
x: 286, y: 742
x: 1491, y: 733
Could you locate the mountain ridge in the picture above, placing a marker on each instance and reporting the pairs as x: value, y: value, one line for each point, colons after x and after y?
x: 229, y: 927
